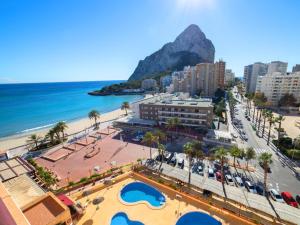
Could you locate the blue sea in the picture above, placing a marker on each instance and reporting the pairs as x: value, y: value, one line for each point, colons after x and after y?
x: 29, y: 107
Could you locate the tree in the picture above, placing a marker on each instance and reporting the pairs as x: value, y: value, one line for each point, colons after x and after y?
x: 161, y: 136
x: 193, y: 150
x: 170, y: 124
x: 279, y: 120
x: 34, y: 140
x: 50, y: 136
x: 235, y: 152
x: 94, y: 114
x: 125, y: 106
x: 221, y: 154
x: 264, y: 114
x: 250, y: 154
x: 176, y: 123
x: 287, y: 100
x: 61, y: 127
x: 161, y: 150
x: 188, y: 149
x: 265, y: 159
x: 149, y: 139
x: 271, y: 121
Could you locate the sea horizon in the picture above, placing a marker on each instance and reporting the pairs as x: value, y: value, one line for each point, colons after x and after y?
x: 29, y: 107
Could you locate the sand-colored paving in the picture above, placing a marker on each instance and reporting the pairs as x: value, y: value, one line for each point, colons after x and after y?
x: 111, y: 205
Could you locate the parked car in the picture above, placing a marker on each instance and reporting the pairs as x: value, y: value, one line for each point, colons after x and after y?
x: 173, y: 161
x: 211, y: 173
x: 238, y: 181
x: 219, y: 176
x: 288, y: 198
x: 250, y: 187
x: 276, y: 196
x: 180, y: 163
x: 170, y: 157
x: 138, y: 138
x: 229, y: 180
x: 298, y: 199
x: 259, y: 189
x: 200, y: 170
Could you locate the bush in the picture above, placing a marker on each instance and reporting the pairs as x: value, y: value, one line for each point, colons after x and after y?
x: 82, y: 180
x: 294, y: 153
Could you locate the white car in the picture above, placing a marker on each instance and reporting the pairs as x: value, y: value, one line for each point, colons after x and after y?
x: 211, y: 173
x: 276, y: 196
x: 250, y: 187
x: 238, y: 181
x: 229, y: 180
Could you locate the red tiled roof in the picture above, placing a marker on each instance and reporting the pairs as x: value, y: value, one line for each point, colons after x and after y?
x: 65, y: 200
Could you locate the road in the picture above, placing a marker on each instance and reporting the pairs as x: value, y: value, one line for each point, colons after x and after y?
x: 281, y: 178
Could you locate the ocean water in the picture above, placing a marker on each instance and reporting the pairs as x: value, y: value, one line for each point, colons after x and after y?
x: 28, y: 107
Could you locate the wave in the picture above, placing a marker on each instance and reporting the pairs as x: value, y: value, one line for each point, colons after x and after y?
x: 37, y: 128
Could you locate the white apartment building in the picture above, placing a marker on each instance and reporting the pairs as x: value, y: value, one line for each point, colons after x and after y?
x: 149, y: 84
x: 276, y: 85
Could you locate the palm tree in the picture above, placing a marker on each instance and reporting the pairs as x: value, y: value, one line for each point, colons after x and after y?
x: 125, y: 106
x: 265, y: 159
x: 188, y: 149
x: 271, y: 121
x: 170, y: 124
x: 149, y: 139
x: 235, y: 152
x: 250, y: 154
x: 161, y: 150
x: 34, y: 140
x: 221, y: 154
x: 50, y: 135
x: 279, y: 120
x: 265, y: 113
x: 62, y: 126
x: 161, y: 136
x: 94, y: 114
x: 176, y: 123
x: 56, y: 130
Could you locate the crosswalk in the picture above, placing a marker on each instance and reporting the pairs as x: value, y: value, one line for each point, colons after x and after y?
x: 262, y: 150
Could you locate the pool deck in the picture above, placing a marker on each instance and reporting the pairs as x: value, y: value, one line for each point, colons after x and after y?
x: 168, y: 215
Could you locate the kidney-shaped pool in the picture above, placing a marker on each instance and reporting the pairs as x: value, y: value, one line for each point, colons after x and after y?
x: 122, y: 219
x: 197, y: 218
x: 137, y: 192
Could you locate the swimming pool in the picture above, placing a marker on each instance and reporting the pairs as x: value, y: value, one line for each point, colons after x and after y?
x: 197, y: 218
x: 136, y: 192
x: 122, y: 219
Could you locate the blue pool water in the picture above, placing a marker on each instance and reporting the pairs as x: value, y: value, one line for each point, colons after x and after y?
x: 197, y: 218
x: 139, y: 191
x: 122, y: 219
x: 29, y: 107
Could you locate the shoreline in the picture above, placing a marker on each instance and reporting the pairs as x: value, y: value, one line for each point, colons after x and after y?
x: 75, y: 126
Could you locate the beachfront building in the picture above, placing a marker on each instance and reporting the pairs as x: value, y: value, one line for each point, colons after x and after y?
x: 149, y: 84
x: 276, y: 85
x: 190, y: 112
x: 202, y: 79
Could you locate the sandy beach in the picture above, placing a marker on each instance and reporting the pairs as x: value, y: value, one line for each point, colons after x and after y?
x: 73, y: 127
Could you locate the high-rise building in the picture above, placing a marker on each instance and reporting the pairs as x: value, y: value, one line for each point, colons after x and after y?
x: 251, y: 73
x: 203, y: 79
x: 296, y: 68
x: 276, y: 85
x: 165, y: 81
x: 220, y: 73
x: 229, y: 77
x: 277, y: 66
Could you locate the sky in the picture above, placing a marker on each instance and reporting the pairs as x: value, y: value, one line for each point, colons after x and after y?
x: 81, y: 40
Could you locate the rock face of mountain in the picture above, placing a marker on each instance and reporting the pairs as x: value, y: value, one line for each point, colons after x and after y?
x: 189, y: 48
